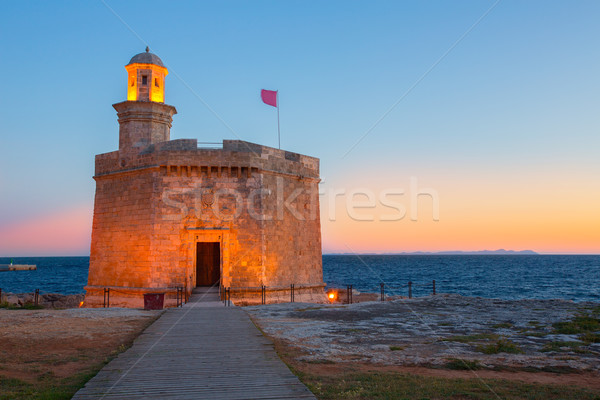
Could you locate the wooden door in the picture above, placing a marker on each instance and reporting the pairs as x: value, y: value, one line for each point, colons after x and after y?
x: 208, y: 263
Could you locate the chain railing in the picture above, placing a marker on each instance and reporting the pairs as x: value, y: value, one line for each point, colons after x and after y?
x: 182, y: 295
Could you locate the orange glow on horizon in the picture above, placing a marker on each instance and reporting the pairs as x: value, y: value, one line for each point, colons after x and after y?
x: 477, y: 211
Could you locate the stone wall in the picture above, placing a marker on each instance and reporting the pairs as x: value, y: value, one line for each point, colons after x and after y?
x: 153, y: 204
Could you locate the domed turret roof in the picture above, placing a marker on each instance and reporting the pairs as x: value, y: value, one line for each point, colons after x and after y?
x: 146, y: 58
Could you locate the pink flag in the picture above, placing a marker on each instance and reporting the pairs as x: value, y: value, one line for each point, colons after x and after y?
x: 269, y: 97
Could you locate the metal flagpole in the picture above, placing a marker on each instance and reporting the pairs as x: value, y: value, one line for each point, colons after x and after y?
x: 278, y: 131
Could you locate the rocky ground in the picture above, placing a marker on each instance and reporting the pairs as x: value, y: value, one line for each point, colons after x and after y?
x: 442, y: 331
x: 46, y: 300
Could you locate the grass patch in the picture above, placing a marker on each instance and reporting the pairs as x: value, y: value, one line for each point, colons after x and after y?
x: 31, y: 306
x: 397, y: 348
x: 503, y: 325
x: 590, y: 337
x: 461, y: 365
x: 559, y: 346
x: 500, y: 346
x: 579, y: 324
x: 388, y: 386
x: 584, y: 325
x: 471, y: 338
x: 320, y: 362
x: 315, y: 308
x: 26, y: 306
x: 47, y: 387
x: 594, y: 310
x: 553, y: 369
x: 308, y: 308
x: 535, y: 334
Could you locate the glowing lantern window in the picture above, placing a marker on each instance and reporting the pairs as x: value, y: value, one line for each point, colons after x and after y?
x: 146, y: 82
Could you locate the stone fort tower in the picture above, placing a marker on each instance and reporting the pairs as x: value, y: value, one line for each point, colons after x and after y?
x: 170, y: 214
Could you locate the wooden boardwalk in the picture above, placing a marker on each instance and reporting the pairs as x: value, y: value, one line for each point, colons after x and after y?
x: 200, y: 351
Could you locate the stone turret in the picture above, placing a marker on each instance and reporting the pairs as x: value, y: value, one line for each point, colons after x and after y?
x: 144, y: 119
x: 146, y: 78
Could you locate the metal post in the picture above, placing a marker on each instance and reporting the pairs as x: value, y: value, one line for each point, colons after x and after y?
x: 409, y: 289
x: 36, y: 297
x: 264, y: 294
x: 382, y: 292
x: 228, y: 296
x: 179, y: 296
x: 351, y: 299
x: 106, y: 297
x: 278, y: 131
x: 434, y: 287
x: 292, y: 293
x: 349, y: 293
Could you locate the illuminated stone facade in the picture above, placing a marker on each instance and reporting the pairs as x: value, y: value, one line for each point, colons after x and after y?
x: 168, y: 214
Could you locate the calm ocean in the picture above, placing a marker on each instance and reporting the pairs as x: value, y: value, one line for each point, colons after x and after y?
x: 494, y: 276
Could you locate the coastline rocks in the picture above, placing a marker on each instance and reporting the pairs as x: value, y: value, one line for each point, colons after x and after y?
x: 434, y: 330
x: 46, y: 300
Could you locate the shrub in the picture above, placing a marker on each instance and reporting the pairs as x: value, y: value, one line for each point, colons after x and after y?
x: 458, y: 364
x: 558, y: 345
x: 500, y: 346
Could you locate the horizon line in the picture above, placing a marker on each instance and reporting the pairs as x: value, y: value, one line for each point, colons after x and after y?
x: 412, y: 253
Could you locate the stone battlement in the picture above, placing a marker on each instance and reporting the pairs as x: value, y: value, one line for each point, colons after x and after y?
x: 184, y: 153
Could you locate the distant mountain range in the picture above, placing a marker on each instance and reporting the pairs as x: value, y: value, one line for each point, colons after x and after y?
x: 452, y: 253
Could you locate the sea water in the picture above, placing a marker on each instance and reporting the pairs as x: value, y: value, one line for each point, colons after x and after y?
x: 571, y: 277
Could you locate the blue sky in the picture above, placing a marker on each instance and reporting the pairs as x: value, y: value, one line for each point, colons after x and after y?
x: 511, y: 109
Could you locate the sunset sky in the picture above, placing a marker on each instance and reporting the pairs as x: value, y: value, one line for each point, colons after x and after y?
x: 493, y: 106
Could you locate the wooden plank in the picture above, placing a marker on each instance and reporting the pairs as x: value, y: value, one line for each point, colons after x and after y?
x: 200, y: 351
